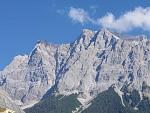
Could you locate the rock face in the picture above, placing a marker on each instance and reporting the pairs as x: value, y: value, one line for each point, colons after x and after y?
x: 6, y: 102
x: 88, y: 66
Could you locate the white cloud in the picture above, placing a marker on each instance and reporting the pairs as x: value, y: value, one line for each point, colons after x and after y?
x: 79, y: 15
x: 137, y: 18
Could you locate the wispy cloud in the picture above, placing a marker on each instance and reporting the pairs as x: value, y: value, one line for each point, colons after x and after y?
x: 61, y: 11
x: 137, y: 18
x: 93, y: 9
x: 79, y: 15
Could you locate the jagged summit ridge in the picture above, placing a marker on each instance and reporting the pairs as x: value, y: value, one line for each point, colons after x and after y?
x: 87, y: 66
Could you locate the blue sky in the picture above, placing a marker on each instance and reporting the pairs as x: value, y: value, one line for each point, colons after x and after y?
x: 23, y: 22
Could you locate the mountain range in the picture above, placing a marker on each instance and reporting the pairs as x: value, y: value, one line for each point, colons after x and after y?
x: 100, y: 72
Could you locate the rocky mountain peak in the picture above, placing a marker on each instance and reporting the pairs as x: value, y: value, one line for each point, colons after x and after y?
x: 89, y: 65
x: 87, y: 31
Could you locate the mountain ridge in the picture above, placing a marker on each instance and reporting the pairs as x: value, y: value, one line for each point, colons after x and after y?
x: 88, y: 66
